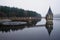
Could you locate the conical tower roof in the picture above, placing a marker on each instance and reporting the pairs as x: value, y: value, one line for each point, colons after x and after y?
x: 50, y: 11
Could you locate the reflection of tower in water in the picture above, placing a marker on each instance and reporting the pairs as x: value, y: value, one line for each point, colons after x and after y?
x: 49, y: 21
x: 49, y: 26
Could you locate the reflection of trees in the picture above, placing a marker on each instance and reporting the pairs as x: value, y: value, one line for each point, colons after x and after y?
x: 49, y: 26
x: 7, y: 28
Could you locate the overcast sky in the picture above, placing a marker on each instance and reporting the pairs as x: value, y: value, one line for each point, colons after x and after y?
x: 40, y: 6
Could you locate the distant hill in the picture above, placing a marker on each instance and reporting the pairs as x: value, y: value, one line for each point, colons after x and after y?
x: 57, y: 16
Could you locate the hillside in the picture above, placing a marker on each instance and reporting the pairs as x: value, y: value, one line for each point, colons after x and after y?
x: 16, y: 12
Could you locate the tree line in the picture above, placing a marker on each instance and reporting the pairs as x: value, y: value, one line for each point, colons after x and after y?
x: 16, y: 12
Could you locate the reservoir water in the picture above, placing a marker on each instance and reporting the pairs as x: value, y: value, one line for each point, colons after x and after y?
x: 39, y: 31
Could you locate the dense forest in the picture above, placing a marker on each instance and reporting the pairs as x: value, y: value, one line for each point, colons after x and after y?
x: 16, y: 12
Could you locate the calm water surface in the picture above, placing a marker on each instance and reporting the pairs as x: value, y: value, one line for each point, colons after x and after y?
x: 43, y: 32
